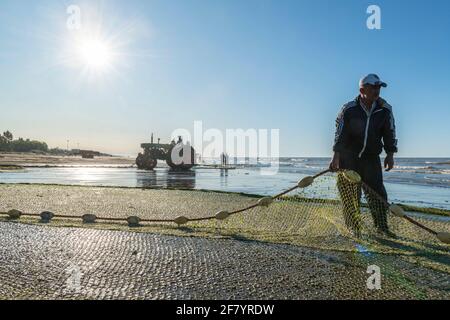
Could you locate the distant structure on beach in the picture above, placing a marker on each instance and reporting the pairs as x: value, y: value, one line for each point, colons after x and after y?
x: 224, y: 159
x: 87, y: 154
x: 199, y: 158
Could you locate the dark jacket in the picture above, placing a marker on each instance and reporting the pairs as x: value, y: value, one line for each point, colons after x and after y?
x: 365, y: 134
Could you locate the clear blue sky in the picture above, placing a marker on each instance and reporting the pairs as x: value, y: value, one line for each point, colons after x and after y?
x: 230, y: 63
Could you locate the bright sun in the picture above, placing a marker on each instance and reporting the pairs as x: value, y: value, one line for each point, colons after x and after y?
x: 95, y: 54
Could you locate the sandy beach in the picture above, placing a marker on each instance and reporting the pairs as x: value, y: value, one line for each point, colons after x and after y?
x: 36, y: 263
x: 46, y: 160
x: 290, y: 251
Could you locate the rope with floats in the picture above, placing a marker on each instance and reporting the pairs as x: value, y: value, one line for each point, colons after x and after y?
x: 134, y: 221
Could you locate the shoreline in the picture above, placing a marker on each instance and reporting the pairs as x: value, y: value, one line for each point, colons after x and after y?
x: 49, y: 160
x: 418, y: 191
x: 10, y: 167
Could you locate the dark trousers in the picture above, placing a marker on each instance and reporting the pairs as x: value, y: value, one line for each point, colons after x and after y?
x: 370, y: 170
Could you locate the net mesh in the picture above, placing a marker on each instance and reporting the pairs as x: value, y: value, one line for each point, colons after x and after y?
x: 341, y: 215
x: 343, y: 223
x: 334, y: 213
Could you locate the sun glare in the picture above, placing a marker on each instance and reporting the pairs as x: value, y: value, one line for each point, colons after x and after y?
x: 98, y: 49
x: 95, y: 54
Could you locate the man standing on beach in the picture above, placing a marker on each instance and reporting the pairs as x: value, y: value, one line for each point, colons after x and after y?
x: 363, y: 127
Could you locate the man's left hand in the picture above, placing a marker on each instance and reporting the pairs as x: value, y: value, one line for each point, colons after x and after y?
x: 389, y: 162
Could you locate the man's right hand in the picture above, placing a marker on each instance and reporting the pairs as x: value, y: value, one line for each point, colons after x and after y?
x: 334, y: 165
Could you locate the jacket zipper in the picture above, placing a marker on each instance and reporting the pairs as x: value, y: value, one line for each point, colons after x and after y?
x: 365, y: 136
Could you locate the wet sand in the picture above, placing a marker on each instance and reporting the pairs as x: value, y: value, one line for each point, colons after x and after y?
x: 170, y: 262
x: 39, y: 262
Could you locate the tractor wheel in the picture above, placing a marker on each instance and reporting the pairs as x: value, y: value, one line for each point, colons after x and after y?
x: 182, y: 162
x: 145, y: 162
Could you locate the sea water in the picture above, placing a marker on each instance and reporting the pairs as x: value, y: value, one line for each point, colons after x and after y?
x: 422, y: 182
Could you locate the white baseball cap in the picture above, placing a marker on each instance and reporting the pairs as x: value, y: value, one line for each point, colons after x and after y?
x: 372, y: 79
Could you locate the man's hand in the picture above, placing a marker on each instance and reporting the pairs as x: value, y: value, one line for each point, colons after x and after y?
x: 334, y: 164
x: 389, y: 162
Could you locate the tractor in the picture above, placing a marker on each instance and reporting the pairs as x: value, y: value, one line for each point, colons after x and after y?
x: 172, y: 153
